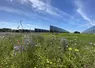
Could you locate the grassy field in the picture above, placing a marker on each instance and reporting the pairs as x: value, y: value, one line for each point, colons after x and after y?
x: 47, y: 50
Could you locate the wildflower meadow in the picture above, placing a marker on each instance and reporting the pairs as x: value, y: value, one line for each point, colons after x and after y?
x: 47, y: 50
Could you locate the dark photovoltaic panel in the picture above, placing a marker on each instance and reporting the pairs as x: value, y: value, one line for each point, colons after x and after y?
x: 90, y: 30
x: 41, y: 30
x: 57, y: 29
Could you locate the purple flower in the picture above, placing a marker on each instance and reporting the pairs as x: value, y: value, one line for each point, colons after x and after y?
x: 28, y: 42
x: 64, y: 43
x: 18, y: 48
x: 90, y: 43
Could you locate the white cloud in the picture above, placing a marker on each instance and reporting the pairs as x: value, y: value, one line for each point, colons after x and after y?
x: 11, y: 0
x: 39, y: 6
x: 12, y: 10
x: 16, y: 11
x: 44, y: 7
x: 83, y: 14
x: 80, y: 8
x: 9, y: 9
x: 26, y: 14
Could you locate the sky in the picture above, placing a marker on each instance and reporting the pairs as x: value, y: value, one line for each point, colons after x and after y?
x: 71, y: 15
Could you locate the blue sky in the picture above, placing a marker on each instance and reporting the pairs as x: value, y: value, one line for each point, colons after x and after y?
x: 71, y: 15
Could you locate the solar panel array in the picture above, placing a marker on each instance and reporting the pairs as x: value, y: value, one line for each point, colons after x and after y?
x: 57, y: 29
x: 52, y: 29
x: 41, y: 30
x: 90, y: 30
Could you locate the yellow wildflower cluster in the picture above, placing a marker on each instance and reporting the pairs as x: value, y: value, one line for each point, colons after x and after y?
x: 70, y: 49
x: 48, y: 61
x: 76, y: 50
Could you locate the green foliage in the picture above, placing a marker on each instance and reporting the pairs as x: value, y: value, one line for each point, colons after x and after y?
x: 47, y: 51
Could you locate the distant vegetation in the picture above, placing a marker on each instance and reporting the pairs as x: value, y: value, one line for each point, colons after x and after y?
x: 15, y: 30
x: 77, y: 32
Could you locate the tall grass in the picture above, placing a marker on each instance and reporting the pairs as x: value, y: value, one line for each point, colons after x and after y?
x: 47, y: 51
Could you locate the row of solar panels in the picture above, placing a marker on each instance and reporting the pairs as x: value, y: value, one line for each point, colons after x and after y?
x: 60, y: 30
x: 90, y: 30
x: 52, y: 29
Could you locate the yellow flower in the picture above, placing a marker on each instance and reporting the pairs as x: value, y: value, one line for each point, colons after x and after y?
x: 47, y: 61
x: 70, y: 49
x: 50, y: 62
x: 76, y: 50
x: 34, y: 67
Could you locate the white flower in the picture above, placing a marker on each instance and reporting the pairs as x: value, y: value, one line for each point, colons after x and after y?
x: 94, y: 44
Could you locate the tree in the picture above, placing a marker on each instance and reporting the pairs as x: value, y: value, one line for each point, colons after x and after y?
x: 77, y: 32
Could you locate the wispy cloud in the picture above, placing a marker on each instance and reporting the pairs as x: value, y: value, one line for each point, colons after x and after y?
x: 80, y: 8
x: 13, y: 10
x: 40, y: 9
x: 44, y: 7
x: 34, y: 17
x: 83, y: 14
